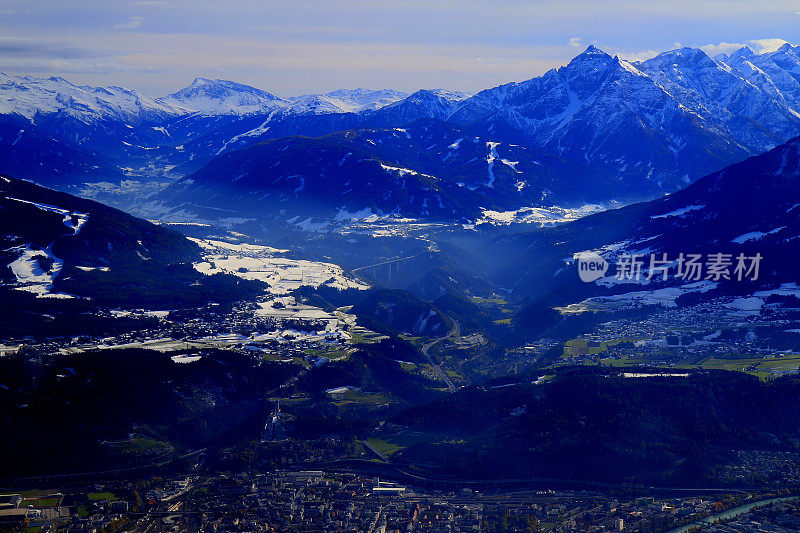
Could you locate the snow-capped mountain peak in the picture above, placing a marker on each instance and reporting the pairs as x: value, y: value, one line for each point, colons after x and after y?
x: 28, y: 96
x: 364, y: 99
x: 592, y: 55
x: 212, y: 97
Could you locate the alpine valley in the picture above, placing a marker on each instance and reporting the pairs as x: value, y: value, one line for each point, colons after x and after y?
x: 228, y: 280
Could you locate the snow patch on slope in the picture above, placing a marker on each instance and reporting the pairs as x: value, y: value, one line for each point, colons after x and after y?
x: 679, y: 212
x: 32, y: 276
x: 755, y: 235
x: 72, y: 219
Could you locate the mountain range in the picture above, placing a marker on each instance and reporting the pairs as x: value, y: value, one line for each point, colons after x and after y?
x: 428, y: 169
x: 603, y: 130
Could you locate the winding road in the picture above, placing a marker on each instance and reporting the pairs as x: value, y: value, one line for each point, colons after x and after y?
x: 455, y: 331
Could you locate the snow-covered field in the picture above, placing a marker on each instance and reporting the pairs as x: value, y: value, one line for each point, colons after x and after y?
x: 294, y: 323
x: 665, y: 297
x: 263, y: 263
x: 542, y: 216
x: 289, y: 322
x: 334, y: 325
x: 654, y: 375
x: 732, y: 307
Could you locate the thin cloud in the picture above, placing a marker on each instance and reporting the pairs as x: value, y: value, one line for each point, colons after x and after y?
x: 642, y: 55
x: 313, y: 45
x: 99, y: 68
x: 763, y: 46
x: 132, y: 23
x: 152, y: 3
x: 759, y: 46
x: 30, y: 48
x: 721, y: 48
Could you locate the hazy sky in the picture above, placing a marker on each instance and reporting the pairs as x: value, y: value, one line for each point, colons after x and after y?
x: 302, y: 46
